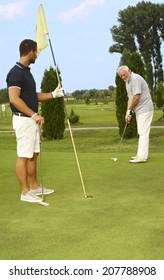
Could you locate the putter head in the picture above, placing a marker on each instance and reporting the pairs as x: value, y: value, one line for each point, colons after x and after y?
x: 43, y: 203
x: 88, y: 196
x: 114, y: 158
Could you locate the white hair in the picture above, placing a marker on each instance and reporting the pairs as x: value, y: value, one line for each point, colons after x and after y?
x: 123, y: 67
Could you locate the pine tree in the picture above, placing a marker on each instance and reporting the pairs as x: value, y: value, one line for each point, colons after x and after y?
x: 159, y: 96
x: 159, y: 93
x: 52, y: 110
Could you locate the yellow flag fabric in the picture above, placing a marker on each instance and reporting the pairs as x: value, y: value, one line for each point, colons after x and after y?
x: 41, y: 30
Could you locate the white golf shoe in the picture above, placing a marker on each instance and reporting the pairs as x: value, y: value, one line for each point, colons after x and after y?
x: 38, y: 191
x: 134, y: 157
x: 30, y: 197
x: 137, y: 160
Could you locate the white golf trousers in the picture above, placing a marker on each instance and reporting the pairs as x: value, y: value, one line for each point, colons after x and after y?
x: 143, y: 128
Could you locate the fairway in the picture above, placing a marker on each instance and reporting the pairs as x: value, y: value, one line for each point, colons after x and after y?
x: 124, y: 220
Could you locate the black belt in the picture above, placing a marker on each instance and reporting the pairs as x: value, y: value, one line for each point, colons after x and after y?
x: 20, y: 114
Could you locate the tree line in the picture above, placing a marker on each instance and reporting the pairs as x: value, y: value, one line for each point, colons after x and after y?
x: 93, y: 94
x: 86, y: 94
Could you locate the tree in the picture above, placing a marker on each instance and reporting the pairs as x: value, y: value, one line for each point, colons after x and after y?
x: 4, y: 96
x: 78, y: 94
x: 159, y: 94
x: 52, y: 110
x: 73, y: 118
x: 142, y: 29
x: 135, y: 63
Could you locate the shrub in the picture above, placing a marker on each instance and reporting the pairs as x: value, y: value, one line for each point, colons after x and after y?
x: 73, y: 118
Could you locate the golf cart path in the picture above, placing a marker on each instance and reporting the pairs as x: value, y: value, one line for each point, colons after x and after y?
x: 87, y: 128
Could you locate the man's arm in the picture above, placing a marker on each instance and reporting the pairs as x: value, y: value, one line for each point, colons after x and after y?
x: 17, y: 102
x: 44, y: 96
x: 131, y: 105
x: 58, y: 92
x: 133, y: 102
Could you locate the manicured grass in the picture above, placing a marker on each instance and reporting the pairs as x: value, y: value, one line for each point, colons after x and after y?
x: 103, y: 114
x: 94, y: 115
x: 123, y: 220
x: 95, y: 141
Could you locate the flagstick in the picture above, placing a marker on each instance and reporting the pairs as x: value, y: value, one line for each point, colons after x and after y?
x: 69, y: 126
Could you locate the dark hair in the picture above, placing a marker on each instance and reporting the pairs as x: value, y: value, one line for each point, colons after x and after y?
x: 26, y: 46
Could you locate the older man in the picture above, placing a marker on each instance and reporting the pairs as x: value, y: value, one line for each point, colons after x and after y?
x: 139, y: 102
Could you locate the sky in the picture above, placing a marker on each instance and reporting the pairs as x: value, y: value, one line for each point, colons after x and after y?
x: 80, y: 35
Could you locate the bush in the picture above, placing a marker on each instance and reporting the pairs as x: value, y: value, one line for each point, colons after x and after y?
x: 73, y: 118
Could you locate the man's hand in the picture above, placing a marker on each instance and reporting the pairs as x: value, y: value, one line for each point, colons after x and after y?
x: 38, y: 119
x: 128, y: 116
x: 58, y: 92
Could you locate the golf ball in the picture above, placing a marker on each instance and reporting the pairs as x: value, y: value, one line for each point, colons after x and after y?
x: 115, y: 159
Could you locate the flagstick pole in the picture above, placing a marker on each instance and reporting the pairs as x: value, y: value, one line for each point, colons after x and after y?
x: 68, y: 122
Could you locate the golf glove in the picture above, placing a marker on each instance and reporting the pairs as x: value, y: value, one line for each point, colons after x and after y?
x: 128, y: 115
x: 58, y: 92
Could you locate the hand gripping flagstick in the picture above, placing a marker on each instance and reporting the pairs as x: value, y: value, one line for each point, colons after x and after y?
x: 41, y: 32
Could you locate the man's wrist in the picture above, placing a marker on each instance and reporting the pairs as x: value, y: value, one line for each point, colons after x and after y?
x: 35, y: 114
x: 129, y: 112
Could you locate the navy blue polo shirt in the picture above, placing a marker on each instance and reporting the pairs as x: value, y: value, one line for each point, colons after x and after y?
x: 20, y: 76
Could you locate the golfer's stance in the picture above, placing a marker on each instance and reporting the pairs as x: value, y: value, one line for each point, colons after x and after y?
x: 139, y: 102
x: 26, y: 121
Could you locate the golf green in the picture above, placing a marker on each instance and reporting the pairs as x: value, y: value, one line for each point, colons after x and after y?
x: 123, y: 220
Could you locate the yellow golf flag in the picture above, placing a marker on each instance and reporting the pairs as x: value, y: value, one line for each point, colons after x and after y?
x: 41, y: 30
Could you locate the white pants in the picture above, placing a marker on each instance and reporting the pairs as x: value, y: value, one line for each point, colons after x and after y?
x: 143, y: 128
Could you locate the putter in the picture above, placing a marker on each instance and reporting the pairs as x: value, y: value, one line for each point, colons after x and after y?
x: 88, y: 196
x: 116, y: 157
x: 43, y: 203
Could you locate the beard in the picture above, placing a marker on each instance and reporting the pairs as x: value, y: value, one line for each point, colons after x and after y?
x: 32, y: 60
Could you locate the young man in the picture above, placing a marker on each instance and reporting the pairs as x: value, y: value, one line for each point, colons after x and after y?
x: 140, y: 102
x: 26, y: 120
